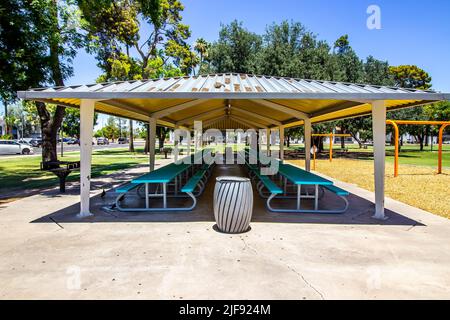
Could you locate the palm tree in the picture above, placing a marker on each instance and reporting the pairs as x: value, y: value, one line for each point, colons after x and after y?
x: 201, y: 47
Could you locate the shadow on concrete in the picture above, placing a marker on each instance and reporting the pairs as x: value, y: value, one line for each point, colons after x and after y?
x: 360, y: 210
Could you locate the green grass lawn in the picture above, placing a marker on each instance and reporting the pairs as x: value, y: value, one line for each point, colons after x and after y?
x: 24, y: 172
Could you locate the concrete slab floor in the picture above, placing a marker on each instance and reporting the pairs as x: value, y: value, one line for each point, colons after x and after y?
x: 47, y: 253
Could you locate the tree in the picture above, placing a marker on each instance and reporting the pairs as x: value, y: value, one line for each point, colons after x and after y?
x: 111, y: 131
x: 23, y: 58
x: 236, y: 49
x: 351, y: 69
x: 292, y: 51
x: 407, y: 76
x: 377, y: 72
x: 71, y: 122
x: 202, y: 47
x: 45, y: 40
x: 114, y: 27
x: 161, y: 133
x: 349, y: 64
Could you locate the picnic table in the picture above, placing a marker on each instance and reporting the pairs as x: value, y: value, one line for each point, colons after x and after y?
x: 187, y: 178
x: 300, y: 177
x: 161, y: 176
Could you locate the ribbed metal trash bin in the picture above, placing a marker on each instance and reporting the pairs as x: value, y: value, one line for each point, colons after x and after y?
x: 233, y: 204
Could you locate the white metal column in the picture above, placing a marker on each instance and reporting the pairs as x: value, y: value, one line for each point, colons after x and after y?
x: 268, y: 142
x: 307, y: 136
x: 152, y: 142
x: 86, y: 132
x: 379, y: 153
x: 282, y: 142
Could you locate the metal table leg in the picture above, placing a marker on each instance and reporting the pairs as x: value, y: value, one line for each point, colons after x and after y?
x: 316, y: 198
x: 165, y: 195
x: 146, y: 196
x: 299, y: 194
x: 176, y: 185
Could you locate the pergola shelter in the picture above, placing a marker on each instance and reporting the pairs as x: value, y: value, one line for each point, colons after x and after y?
x: 233, y: 101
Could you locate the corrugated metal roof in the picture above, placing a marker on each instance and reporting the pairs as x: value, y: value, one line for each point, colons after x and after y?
x: 226, y: 83
x: 185, y: 97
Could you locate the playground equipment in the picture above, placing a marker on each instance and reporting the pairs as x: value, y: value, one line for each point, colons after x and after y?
x: 396, y: 123
x: 331, y: 136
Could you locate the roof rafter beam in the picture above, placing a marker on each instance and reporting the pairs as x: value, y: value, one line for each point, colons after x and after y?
x: 248, y: 122
x: 339, y: 107
x: 290, y: 111
x: 193, y: 118
x: 176, y: 108
x: 258, y: 116
x: 121, y: 105
x: 211, y: 121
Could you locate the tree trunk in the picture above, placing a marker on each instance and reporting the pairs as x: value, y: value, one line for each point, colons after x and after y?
x: 355, y: 136
x: 288, y: 141
x: 131, y: 145
x: 49, y: 128
x: 147, y: 139
x: 50, y: 125
x: 161, y: 140
x: 420, y: 138
x: 427, y: 136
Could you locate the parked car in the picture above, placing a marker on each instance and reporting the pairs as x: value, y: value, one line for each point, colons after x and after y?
x: 24, y: 141
x: 72, y: 141
x: 123, y: 141
x: 12, y: 147
x: 102, y: 141
x: 36, y: 143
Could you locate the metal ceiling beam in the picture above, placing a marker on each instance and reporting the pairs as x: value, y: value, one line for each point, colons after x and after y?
x: 295, y: 113
x: 248, y: 122
x: 193, y: 118
x: 258, y: 116
x: 176, y: 108
x: 338, y: 107
x: 211, y: 121
x: 121, y: 105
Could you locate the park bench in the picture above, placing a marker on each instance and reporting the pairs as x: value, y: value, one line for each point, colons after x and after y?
x: 61, y: 169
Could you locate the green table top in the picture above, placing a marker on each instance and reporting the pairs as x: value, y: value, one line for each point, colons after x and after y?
x: 300, y: 176
x: 162, y: 175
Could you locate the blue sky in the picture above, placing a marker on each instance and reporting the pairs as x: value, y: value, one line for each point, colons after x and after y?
x: 413, y: 31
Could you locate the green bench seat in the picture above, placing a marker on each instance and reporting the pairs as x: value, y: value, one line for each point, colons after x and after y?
x: 270, y: 185
x: 126, y: 187
x: 193, y: 182
x: 338, y: 191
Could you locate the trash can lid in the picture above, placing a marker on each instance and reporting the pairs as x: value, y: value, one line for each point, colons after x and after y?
x: 232, y: 179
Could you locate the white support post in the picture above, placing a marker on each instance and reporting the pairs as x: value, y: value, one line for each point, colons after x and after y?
x: 379, y: 154
x: 307, y: 136
x: 282, y: 142
x: 152, y: 142
x: 86, y: 130
x: 268, y: 142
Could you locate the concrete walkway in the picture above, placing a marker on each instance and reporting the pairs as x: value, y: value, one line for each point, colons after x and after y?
x: 45, y: 252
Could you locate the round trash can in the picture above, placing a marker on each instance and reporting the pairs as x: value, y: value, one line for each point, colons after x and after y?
x: 233, y: 204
